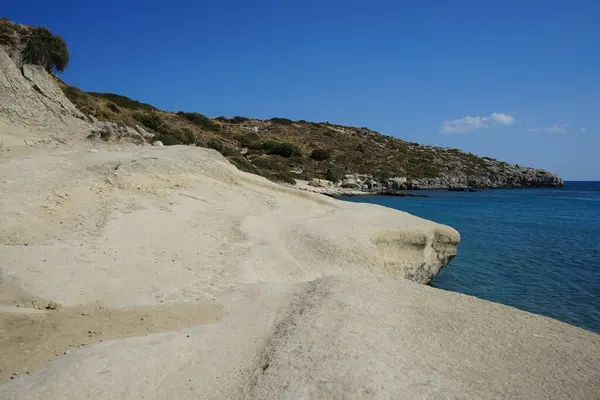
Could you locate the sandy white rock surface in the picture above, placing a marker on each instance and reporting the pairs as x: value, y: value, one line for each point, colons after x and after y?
x: 307, y: 294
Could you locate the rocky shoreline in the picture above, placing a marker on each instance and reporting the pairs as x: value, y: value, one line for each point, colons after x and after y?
x: 505, y: 177
x: 367, y: 185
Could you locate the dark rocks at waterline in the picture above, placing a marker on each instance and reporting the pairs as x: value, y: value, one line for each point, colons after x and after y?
x: 383, y: 193
x: 400, y: 194
x: 493, y: 178
x: 462, y: 189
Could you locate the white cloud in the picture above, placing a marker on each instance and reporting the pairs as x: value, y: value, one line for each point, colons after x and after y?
x: 556, y: 128
x: 583, y: 130
x: 503, y: 119
x: 468, y: 124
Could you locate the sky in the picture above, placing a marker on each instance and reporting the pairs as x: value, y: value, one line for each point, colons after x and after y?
x: 514, y: 80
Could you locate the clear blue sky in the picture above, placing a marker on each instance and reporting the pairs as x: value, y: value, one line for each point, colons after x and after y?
x: 527, y: 72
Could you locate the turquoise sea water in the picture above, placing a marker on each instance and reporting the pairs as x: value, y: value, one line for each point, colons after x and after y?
x: 534, y: 249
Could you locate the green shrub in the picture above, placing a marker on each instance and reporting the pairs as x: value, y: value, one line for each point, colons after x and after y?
x: 251, y: 141
x: 383, y: 174
x: 270, y: 145
x: 150, y: 120
x: 229, y: 152
x: 280, y: 177
x: 281, y: 121
x: 268, y: 164
x: 161, y: 124
x: 188, y: 135
x: 46, y: 50
x: 238, y: 120
x: 277, y: 176
x: 168, y: 140
x: 113, y: 107
x: 423, y: 169
x: 283, y: 149
x: 234, y: 120
x: 286, y: 150
x: 83, y: 101
x: 124, y: 101
x: 243, y: 165
x: 334, y: 174
x: 7, y: 32
x: 215, y: 144
x: 200, y: 120
x: 320, y: 155
x: 254, y: 145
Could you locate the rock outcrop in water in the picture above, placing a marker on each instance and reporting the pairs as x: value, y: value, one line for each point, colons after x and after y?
x: 511, y: 176
x: 499, y: 176
x: 363, y: 184
x: 502, y: 176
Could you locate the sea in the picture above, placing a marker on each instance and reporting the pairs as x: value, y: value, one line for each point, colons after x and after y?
x: 534, y: 249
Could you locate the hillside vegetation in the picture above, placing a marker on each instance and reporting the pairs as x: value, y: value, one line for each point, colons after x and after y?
x: 35, y: 45
x: 285, y: 150
x: 278, y: 148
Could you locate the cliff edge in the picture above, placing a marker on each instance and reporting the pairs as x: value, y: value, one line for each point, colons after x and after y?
x: 33, y: 106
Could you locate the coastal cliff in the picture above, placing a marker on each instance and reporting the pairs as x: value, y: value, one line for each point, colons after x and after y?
x: 138, y: 271
x: 501, y: 176
x: 283, y: 150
